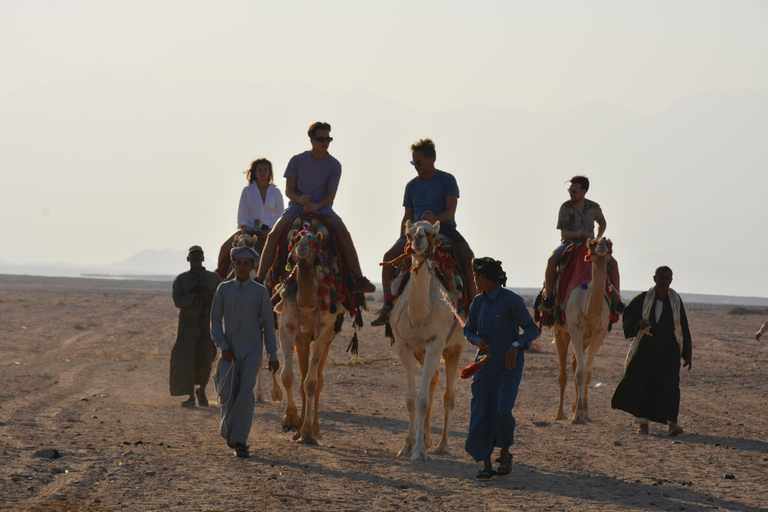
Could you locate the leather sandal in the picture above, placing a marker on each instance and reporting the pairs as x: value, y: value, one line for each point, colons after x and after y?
x: 505, y: 465
x: 485, y: 474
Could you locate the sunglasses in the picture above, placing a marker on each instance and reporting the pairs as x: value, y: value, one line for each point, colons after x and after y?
x: 323, y: 139
x: 417, y: 162
x: 571, y: 191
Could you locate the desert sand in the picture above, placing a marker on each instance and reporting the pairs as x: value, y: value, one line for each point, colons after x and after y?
x: 84, y: 371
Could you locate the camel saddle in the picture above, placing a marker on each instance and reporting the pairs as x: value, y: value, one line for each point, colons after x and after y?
x: 340, y: 281
x: 574, y: 270
x: 449, y: 272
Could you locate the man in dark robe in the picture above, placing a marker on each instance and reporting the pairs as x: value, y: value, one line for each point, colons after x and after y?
x: 194, y: 352
x: 650, y: 388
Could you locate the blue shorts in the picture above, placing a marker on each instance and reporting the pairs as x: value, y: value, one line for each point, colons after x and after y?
x: 561, y: 248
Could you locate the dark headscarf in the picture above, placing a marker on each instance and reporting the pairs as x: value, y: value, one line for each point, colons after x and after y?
x: 491, y: 269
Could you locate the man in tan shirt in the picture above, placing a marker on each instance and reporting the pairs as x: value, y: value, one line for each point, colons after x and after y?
x: 576, y: 222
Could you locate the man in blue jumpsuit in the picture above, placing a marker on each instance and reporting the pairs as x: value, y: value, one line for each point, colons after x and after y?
x: 246, y: 309
x: 496, y: 316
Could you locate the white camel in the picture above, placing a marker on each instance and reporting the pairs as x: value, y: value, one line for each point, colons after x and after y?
x: 425, y: 330
x: 310, y: 328
x: 587, y: 314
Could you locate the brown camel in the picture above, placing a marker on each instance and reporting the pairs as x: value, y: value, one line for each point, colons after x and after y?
x: 587, y: 314
x: 309, y: 327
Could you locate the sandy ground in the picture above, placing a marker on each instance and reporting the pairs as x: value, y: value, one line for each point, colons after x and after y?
x: 84, y: 370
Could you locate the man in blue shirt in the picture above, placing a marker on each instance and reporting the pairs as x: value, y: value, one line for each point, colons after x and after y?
x: 495, y: 318
x: 432, y: 195
x: 248, y: 322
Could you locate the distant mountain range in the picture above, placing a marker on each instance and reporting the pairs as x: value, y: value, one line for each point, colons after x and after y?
x: 164, y: 265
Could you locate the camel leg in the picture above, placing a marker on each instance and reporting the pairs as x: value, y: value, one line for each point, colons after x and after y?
x: 311, y: 384
x: 302, y: 354
x: 432, y: 388
x: 594, y: 346
x: 291, y: 419
x: 320, y: 382
x: 431, y: 360
x: 277, y: 393
x: 452, y: 355
x: 580, y: 375
x: 409, y: 363
x: 562, y: 340
x: 259, y: 391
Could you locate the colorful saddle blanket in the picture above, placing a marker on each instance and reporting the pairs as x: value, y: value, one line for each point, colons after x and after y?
x: 335, y: 282
x: 449, y: 271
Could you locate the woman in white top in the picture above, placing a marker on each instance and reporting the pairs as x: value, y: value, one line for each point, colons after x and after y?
x: 261, y: 201
x: 261, y: 204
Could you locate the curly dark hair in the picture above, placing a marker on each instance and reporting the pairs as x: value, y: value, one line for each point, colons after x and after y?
x: 251, y: 173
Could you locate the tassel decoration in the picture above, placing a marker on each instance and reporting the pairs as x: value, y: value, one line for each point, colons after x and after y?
x: 474, y: 367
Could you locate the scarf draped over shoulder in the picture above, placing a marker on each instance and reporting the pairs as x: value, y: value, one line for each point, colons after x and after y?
x: 650, y: 298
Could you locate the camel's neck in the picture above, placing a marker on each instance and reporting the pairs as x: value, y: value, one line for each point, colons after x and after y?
x: 306, y: 295
x: 597, y: 293
x: 419, y: 292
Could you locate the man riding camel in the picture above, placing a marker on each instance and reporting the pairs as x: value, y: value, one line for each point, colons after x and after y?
x: 432, y: 196
x: 576, y: 222
x: 311, y: 181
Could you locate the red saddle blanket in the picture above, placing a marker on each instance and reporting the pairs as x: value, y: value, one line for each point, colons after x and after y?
x: 576, y: 272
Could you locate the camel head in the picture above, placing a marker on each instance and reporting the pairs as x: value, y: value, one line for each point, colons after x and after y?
x: 422, y: 237
x: 600, y: 248
x: 305, y: 244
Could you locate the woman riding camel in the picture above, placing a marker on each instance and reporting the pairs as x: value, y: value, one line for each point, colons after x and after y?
x: 261, y: 204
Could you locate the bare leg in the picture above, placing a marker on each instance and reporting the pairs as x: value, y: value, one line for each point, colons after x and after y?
x: 224, y: 251
x: 345, y: 239
x: 466, y: 255
x: 388, y: 271
x: 268, y: 254
x: 551, y: 274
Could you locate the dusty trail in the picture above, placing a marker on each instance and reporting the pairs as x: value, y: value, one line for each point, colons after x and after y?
x: 83, y: 369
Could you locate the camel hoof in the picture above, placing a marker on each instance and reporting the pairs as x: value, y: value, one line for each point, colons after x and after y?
x: 443, y: 450
x: 405, y: 452
x: 579, y: 420
x: 560, y: 416
x: 277, y: 395
x: 422, y: 455
x: 297, y: 436
x: 307, y: 441
x: 290, y: 422
x: 259, y: 399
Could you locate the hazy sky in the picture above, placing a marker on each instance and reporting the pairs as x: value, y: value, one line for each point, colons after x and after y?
x: 119, y: 119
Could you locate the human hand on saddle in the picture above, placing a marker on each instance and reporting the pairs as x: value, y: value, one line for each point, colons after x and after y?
x: 274, y: 366
x: 644, y: 325
x: 483, y: 346
x: 227, y: 355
